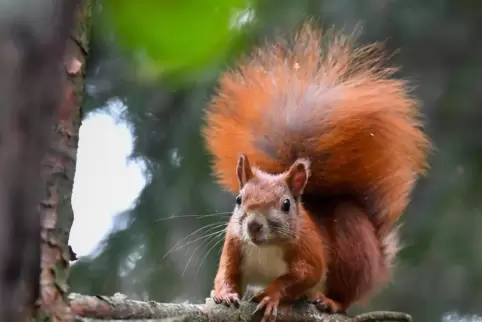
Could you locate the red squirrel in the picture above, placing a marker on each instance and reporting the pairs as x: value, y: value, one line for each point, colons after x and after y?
x: 322, y: 147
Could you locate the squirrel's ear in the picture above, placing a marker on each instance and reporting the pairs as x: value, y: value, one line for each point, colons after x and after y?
x: 243, y: 170
x: 297, y: 176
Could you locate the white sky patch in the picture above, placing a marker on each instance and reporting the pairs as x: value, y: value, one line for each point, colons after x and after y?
x: 106, y: 182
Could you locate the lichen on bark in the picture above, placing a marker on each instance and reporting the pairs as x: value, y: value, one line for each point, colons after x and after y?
x: 58, y: 170
x: 120, y: 308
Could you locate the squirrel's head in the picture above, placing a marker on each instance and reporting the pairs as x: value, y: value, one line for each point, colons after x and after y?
x: 268, y: 206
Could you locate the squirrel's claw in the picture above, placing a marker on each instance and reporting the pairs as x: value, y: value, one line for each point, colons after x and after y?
x: 326, y: 304
x: 227, y: 299
x: 270, y: 306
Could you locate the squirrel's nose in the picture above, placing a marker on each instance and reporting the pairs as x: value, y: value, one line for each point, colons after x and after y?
x: 254, y: 227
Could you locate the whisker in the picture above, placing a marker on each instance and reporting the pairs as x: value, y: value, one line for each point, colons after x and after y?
x: 284, y: 232
x: 202, y: 237
x: 195, y: 216
x: 195, y: 250
x: 220, y: 239
x: 196, y: 231
x: 211, y: 227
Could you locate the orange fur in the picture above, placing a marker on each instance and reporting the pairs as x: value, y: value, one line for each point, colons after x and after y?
x: 357, y: 265
x: 306, y: 264
x: 227, y: 279
x: 337, y: 106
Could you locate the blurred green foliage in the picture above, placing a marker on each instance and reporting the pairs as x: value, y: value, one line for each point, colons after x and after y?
x: 177, y: 36
x: 440, y: 51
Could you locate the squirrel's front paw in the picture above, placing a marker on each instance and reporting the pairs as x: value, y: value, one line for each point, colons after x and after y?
x: 270, y: 303
x: 226, y: 298
x: 325, y: 304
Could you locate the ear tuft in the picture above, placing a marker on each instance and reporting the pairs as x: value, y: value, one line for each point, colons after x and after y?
x: 297, y: 176
x: 243, y: 170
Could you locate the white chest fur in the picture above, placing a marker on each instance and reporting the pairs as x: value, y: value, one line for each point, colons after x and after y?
x: 262, y: 265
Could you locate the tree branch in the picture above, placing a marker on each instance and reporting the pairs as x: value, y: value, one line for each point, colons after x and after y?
x: 118, y: 307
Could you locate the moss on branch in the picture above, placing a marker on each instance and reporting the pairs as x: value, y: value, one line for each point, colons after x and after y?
x: 118, y: 307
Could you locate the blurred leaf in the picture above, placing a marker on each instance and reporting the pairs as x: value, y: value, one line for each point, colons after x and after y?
x: 177, y: 35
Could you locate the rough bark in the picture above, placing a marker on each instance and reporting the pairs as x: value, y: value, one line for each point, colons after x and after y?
x: 58, y: 170
x: 32, y: 43
x: 118, y: 307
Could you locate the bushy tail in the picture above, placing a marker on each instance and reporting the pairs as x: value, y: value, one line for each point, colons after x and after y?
x: 324, y: 99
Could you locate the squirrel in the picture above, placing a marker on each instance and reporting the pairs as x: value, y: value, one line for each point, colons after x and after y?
x: 322, y: 147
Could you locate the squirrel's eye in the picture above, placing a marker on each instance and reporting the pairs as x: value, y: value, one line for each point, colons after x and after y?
x: 285, y: 207
x: 238, y: 200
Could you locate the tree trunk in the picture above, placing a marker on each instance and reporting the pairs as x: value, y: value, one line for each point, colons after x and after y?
x: 32, y: 42
x: 58, y: 170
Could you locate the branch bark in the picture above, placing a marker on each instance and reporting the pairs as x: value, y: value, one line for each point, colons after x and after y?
x: 118, y: 307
